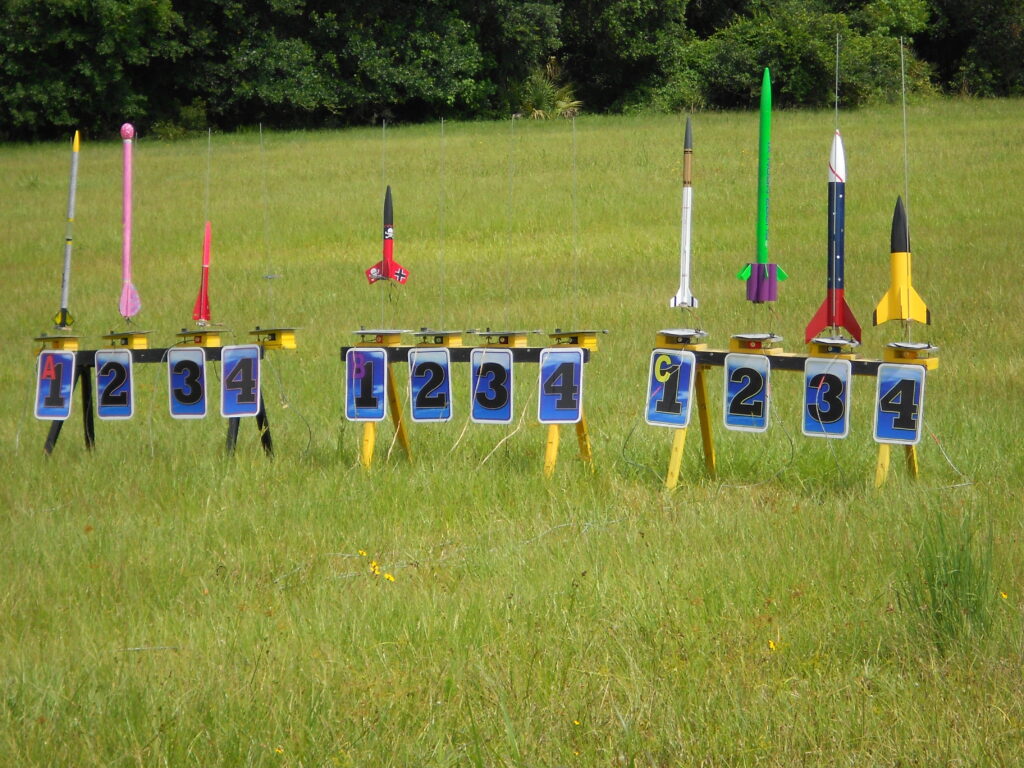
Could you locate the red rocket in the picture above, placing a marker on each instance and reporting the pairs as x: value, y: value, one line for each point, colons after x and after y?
x: 201, y: 310
x: 834, y: 312
x: 387, y: 268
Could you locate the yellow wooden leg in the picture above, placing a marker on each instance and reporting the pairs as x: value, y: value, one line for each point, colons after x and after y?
x: 551, y: 450
x: 882, y: 467
x: 369, y: 440
x: 583, y: 439
x: 704, y: 414
x: 912, y: 465
x: 396, y: 414
x: 675, y: 459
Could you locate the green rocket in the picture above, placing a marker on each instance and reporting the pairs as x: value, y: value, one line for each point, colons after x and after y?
x: 762, y: 276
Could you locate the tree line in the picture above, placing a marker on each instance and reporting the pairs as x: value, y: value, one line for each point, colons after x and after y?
x: 174, y: 66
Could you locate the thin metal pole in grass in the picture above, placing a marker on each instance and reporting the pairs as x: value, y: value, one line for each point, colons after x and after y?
x: 575, y: 234
x: 441, y: 221
x: 270, y: 275
x: 906, y: 160
x: 509, y: 216
x: 383, y: 185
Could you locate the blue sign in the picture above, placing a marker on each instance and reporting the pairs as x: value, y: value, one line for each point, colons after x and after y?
x: 240, y: 380
x: 115, y: 395
x: 670, y: 387
x: 366, y: 381
x: 55, y: 378
x: 827, y: 397
x: 186, y: 379
x: 490, y: 376
x: 747, y: 379
x: 430, y: 384
x: 899, y: 403
x: 560, y: 398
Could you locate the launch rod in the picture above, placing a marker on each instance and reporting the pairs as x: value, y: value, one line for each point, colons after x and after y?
x: 64, y: 318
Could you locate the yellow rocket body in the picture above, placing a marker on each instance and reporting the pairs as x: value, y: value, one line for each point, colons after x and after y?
x: 901, y: 301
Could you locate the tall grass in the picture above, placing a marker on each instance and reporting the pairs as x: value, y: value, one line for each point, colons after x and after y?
x: 166, y: 605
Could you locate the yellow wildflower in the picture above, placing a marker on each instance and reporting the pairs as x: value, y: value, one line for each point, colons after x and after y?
x: 362, y: 553
x: 771, y: 645
x: 1003, y: 595
x: 389, y: 577
x: 279, y: 750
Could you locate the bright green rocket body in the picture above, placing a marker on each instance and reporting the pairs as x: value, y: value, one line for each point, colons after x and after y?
x: 762, y: 277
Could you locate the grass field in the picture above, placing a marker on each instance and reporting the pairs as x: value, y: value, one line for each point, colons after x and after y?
x: 166, y: 605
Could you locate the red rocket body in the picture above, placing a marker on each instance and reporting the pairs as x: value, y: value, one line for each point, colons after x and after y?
x: 201, y: 310
x: 387, y: 268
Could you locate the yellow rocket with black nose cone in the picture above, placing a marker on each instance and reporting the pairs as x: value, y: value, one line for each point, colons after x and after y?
x: 901, y: 301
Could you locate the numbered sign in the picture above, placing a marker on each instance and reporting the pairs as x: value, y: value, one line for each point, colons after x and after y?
x: 366, y: 380
x: 490, y: 372
x: 560, y: 398
x: 747, y: 378
x: 430, y: 384
x: 186, y: 380
x: 240, y: 380
x: 55, y: 378
x: 827, y: 397
x: 115, y: 395
x: 670, y: 387
x: 899, y: 403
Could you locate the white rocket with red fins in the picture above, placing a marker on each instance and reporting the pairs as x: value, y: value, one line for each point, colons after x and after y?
x: 387, y: 268
x: 201, y: 310
x: 834, y: 312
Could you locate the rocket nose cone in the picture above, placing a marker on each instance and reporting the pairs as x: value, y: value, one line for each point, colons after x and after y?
x: 688, y: 139
x: 899, y: 242
x: 389, y: 217
x: 837, y: 160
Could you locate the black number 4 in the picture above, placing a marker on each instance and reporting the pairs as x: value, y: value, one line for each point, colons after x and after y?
x: 561, y: 384
x: 242, y: 379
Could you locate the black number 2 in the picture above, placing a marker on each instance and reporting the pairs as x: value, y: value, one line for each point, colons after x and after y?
x: 431, y: 394
x: 747, y: 401
x: 115, y: 393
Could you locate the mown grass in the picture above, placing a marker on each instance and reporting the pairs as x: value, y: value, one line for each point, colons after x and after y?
x: 165, y: 605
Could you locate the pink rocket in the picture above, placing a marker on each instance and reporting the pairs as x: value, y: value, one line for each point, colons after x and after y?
x: 129, y: 304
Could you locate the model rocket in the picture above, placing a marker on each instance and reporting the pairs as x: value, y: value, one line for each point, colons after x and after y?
x: 763, y: 277
x: 834, y: 312
x: 683, y: 297
x: 63, y: 318
x: 129, y: 304
x: 901, y: 301
x: 201, y: 310
x: 387, y: 268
